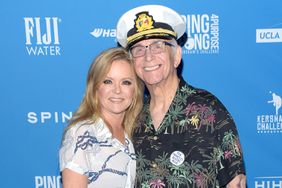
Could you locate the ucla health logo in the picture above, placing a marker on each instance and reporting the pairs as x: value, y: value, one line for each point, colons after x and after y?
x: 202, y: 34
x: 42, y: 36
x: 269, y: 35
x: 271, y: 123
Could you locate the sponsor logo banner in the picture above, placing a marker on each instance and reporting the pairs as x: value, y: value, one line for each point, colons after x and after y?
x: 269, y: 35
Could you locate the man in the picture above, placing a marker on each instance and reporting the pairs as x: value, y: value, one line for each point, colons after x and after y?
x: 185, y: 137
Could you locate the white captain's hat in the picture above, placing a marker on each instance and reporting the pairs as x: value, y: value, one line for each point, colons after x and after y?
x: 149, y: 21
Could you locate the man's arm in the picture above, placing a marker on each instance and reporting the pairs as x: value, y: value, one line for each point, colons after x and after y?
x: 238, y: 182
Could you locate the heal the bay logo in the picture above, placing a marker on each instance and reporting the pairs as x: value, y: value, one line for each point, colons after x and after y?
x: 42, y: 36
x: 271, y: 123
x: 202, y: 34
x: 102, y: 32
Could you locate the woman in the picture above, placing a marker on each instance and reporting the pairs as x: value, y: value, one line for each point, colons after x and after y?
x: 96, y: 149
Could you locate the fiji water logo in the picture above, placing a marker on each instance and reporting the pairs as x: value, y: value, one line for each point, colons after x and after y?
x: 271, y: 123
x: 202, y: 34
x: 42, y: 36
x: 269, y: 35
x: 105, y: 33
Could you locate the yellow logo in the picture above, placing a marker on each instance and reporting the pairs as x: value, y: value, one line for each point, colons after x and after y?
x: 144, y: 22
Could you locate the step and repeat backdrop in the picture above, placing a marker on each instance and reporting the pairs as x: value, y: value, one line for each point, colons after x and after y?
x: 234, y: 50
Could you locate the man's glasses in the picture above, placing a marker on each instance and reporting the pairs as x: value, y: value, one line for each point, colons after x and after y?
x: 155, y: 48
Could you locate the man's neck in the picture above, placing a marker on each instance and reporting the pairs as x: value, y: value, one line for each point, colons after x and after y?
x: 161, y: 99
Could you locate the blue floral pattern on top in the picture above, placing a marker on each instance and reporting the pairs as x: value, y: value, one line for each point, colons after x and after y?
x: 86, y: 140
x: 89, y: 149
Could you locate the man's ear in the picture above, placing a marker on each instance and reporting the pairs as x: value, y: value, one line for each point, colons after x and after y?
x: 178, y: 56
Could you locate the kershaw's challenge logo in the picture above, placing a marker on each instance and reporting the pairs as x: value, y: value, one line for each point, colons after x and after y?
x: 42, y: 36
x: 271, y: 123
x: 276, y: 101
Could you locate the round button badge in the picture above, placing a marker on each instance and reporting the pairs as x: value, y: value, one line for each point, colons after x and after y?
x: 177, y: 158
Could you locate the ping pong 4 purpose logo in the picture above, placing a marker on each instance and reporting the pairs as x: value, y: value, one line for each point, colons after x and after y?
x: 203, y: 34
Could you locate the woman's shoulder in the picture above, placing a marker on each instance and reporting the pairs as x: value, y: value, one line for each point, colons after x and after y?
x: 89, y: 128
x: 81, y: 126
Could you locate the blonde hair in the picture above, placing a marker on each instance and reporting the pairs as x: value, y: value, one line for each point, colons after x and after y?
x: 89, y: 107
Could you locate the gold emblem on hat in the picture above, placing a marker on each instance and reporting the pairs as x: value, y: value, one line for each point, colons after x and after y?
x: 144, y: 22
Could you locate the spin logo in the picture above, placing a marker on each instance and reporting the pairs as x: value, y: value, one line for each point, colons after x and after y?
x: 202, y: 34
x: 42, y: 118
x: 42, y: 36
x: 271, y: 123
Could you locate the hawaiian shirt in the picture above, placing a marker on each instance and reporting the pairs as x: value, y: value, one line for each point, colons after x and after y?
x: 89, y: 149
x: 196, y: 145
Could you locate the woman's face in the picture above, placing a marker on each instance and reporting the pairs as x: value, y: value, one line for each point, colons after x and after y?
x: 116, y: 91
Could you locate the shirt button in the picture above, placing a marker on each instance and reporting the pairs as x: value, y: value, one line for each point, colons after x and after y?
x: 154, y: 165
x: 155, y: 138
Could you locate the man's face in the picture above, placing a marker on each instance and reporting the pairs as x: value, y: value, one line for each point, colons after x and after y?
x: 155, y: 60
